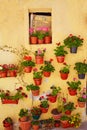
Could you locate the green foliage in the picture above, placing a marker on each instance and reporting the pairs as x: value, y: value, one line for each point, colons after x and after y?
x: 73, y: 41
x: 81, y: 67
x: 37, y: 74
x: 34, y: 122
x: 65, y: 69
x: 44, y: 103
x: 32, y: 87
x: 47, y: 67
x: 69, y: 106
x: 81, y: 99
x: 74, y: 84
x: 36, y: 111
x: 55, y: 90
x: 28, y: 63
x: 64, y: 117
x: 8, y: 120
x: 40, y: 35
x: 59, y: 51
x: 23, y: 112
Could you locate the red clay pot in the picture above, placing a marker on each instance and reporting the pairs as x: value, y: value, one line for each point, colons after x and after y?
x: 64, y: 76
x: 9, y: 101
x: 44, y: 110
x: 40, y: 41
x: 35, y: 92
x: 33, y: 40
x: 72, y: 92
x: 81, y: 104
x: 65, y: 124
x: 28, y: 69
x: 39, y: 59
x: 11, y: 73
x: 60, y: 59
x: 9, y: 127
x: 47, y: 39
x: 46, y: 73
x: 68, y: 112
x: 38, y: 81
x: 3, y: 74
x: 26, y: 125
x: 35, y: 127
x: 52, y: 99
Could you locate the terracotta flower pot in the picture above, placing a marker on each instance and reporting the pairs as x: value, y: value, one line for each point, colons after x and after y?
x: 11, y: 73
x: 9, y: 127
x: 39, y: 59
x: 65, y: 123
x: 47, y: 39
x: 38, y: 81
x: 3, y: 74
x: 81, y: 104
x: 44, y: 110
x: 72, y: 92
x: 28, y: 69
x: 35, y: 92
x: 52, y: 99
x: 24, y: 118
x: 68, y: 112
x: 46, y: 73
x: 9, y: 101
x: 33, y: 40
x: 56, y: 115
x: 40, y: 41
x: 60, y: 59
x: 64, y: 76
x: 35, y: 127
x: 26, y: 125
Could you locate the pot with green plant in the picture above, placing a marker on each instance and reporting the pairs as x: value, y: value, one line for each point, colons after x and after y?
x: 68, y: 108
x: 37, y: 77
x: 64, y: 71
x: 40, y: 37
x: 39, y: 55
x: 36, y: 112
x: 44, y: 105
x: 8, y: 123
x: 34, y: 89
x: 27, y: 64
x: 47, y: 68
x: 33, y: 36
x: 81, y: 68
x: 35, y: 124
x: 73, y: 42
x: 12, y: 70
x: 64, y: 121
x: 55, y: 92
x: 73, y: 87
x: 60, y: 53
x: 23, y: 114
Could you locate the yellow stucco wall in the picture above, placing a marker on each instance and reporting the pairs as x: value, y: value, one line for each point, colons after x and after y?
x: 68, y: 16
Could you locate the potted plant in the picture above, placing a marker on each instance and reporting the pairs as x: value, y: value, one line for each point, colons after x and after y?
x: 64, y: 71
x: 54, y: 93
x: 81, y: 69
x: 39, y: 55
x: 82, y: 98
x: 12, y: 70
x: 60, y: 53
x: 68, y: 108
x: 35, y: 124
x: 37, y: 76
x: 25, y: 119
x: 64, y: 121
x: 33, y: 36
x: 8, y: 123
x: 47, y: 35
x: 47, y: 68
x: 73, y: 87
x: 27, y: 64
x: 44, y: 105
x: 40, y: 37
x: 36, y: 112
x: 73, y: 42
x: 34, y: 89
x: 8, y: 98
x: 3, y: 71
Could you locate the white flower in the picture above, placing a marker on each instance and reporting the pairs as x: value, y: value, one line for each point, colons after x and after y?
x: 1, y: 67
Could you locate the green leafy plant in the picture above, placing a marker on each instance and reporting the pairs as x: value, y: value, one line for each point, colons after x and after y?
x: 82, y: 95
x: 6, y: 94
x: 47, y: 66
x: 28, y: 63
x: 40, y: 35
x: 74, y: 84
x: 36, y: 111
x: 23, y: 112
x: 64, y: 117
x: 44, y: 102
x: 81, y: 67
x: 59, y: 51
x: 32, y: 87
x: 73, y: 41
x: 65, y: 69
x: 34, y: 122
x: 7, y: 122
x: 69, y: 106
x: 55, y: 90
x: 36, y: 73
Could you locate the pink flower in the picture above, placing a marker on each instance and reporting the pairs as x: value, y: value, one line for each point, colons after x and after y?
x: 39, y: 28
x: 39, y: 51
x: 35, y: 69
x: 84, y: 96
x: 46, y: 29
x: 31, y: 30
x: 64, y: 100
x: 74, y: 79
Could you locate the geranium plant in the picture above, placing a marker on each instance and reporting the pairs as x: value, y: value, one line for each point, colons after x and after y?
x: 82, y: 95
x: 40, y: 52
x: 8, y: 122
x: 65, y: 69
x: 44, y: 102
x: 55, y: 90
x: 28, y: 61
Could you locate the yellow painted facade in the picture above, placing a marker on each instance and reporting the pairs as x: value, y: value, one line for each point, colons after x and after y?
x: 68, y: 17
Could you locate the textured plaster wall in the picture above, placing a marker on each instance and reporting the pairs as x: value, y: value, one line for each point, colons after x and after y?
x: 68, y: 16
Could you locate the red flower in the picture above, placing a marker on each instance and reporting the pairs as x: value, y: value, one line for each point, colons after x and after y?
x: 20, y: 88
x: 35, y: 69
x: 70, y: 35
x: 64, y: 63
x: 58, y: 43
x: 27, y: 58
x: 51, y: 60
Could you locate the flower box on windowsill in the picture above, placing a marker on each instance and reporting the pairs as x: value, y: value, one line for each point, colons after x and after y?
x: 9, y: 101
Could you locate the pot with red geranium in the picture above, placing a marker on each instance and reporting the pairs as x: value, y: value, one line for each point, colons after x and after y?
x: 82, y: 98
x: 39, y: 55
x: 47, y: 68
x: 64, y: 121
x: 37, y: 76
x: 52, y: 97
x: 60, y: 53
x: 8, y: 98
x: 27, y: 64
x: 68, y: 108
x: 8, y: 123
x: 73, y: 87
x: 36, y: 112
x: 73, y: 42
x: 44, y: 105
x: 34, y: 89
x: 81, y: 68
x: 64, y: 71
